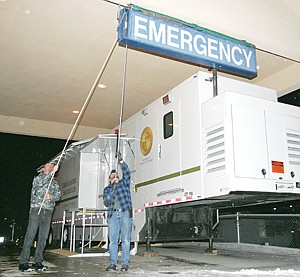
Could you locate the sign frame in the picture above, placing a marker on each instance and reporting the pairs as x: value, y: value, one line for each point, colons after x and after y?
x: 192, y: 44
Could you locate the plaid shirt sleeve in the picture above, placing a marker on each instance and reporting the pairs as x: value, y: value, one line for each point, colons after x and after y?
x: 126, y: 174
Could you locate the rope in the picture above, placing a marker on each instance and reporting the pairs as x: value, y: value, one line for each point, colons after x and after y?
x: 83, y: 109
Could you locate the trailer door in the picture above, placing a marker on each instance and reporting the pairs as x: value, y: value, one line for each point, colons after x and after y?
x: 250, y: 142
x: 169, y: 150
x: 88, y: 179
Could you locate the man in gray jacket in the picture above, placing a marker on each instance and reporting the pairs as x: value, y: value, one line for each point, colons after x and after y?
x: 40, y: 220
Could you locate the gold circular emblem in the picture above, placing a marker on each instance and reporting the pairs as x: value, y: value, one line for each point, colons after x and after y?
x: 146, y: 141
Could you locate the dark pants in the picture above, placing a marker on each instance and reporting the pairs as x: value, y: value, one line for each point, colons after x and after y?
x: 41, y: 222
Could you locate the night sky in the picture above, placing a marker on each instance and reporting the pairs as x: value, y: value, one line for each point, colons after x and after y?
x: 20, y: 157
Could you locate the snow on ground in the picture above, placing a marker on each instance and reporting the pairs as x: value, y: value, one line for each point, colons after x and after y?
x: 188, y: 259
x: 215, y: 273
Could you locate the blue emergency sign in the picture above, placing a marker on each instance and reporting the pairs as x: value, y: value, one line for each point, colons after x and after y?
x: 173, y: 40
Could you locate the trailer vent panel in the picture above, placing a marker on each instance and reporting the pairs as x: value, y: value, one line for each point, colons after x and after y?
x: 293, y: 143
x: 214, y: 149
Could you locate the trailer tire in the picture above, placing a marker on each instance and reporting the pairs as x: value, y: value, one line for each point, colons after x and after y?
x: 65, y: 237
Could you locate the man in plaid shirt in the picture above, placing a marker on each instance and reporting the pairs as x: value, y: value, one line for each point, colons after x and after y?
x: 117, y: 198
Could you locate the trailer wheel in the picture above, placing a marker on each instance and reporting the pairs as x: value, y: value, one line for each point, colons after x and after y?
x: 65, y: 237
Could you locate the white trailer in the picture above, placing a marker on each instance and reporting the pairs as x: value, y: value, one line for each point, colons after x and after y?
x: 190, y: 153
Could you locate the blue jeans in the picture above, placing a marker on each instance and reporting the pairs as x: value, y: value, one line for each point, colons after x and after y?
x: 41, y: 222
x: 119, y: 222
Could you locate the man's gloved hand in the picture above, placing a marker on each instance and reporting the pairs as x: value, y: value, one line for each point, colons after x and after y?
x: 114, y: 185
x: 119, y: 156
x: 55, y: 168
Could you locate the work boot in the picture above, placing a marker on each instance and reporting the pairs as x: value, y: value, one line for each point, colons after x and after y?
x: 25, y: 267
x: 112, y: 267
x: 40, y: 267
x: 124, y: 268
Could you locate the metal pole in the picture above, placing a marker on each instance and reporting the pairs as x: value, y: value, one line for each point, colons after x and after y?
x: 83, y: 229
x: 13, y: 230
x: 148, y: 223
x: 122, y: 103
x: 238, y: 227
x: 72, y: 231
x: 91, y: 226
x: 215, y: 82
x: 62, y: 229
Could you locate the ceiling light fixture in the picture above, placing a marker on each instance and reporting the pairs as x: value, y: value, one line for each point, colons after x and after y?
x: 101, y: 86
